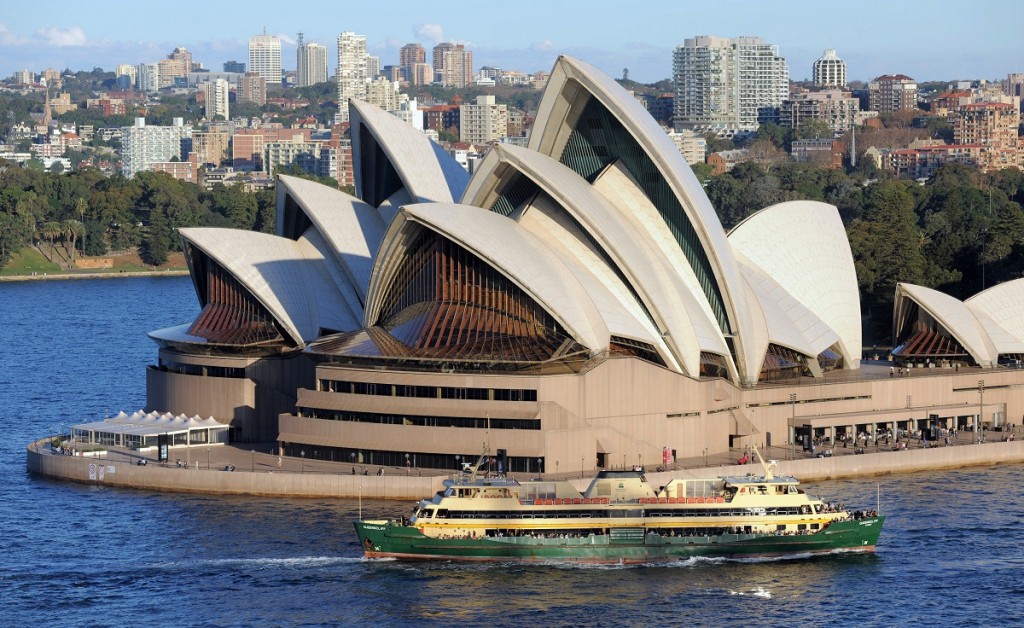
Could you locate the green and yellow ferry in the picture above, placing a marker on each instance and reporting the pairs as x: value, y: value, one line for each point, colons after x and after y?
x: 620, y: 518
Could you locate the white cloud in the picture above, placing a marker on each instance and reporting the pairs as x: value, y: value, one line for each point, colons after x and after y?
x: 543, y: 46
x: 7, y: 38
x: 61, y: 37
x: 431, y: 32
x: 286, y: 39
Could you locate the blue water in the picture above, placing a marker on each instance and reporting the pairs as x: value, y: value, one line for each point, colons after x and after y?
x: 80, y: 555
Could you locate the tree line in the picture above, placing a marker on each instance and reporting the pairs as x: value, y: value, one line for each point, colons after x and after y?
x: 93, y: 214
x: 960, y: 232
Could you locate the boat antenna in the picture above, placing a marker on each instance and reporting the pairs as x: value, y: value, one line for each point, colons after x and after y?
x: 878, y: 498
x: 767, y: 466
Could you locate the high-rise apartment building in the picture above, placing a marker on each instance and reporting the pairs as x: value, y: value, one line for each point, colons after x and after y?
x: 142, y: 146
x: 310, y: 63
x: 721, y: 84
x: 372, y: 67
x: 994, y: 127
x: 126, y: 69
x: 351, y: 72
x: 217, y: 93
x: 892, y: 92
x: 383, y: 93
x: 1014, y: 84
x: 830, y: 70
x: 252, y: 88
x: 836, y: 108
x: 265, y: 58
x: 453, y: 65
x: 484, y: 122
x: 148, y: 77
x: 408, y: 57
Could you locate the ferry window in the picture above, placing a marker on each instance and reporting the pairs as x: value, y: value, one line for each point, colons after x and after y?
x: 801, y: 526
x: 814, y: 526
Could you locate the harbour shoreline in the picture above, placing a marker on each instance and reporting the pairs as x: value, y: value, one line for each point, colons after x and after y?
x: 93, y: 275
x: 262, y: 474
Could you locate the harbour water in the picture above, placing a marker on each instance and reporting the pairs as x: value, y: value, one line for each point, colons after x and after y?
x: 79, y: 555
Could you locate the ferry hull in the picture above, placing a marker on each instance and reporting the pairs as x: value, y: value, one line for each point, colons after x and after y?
x: 390, y: 540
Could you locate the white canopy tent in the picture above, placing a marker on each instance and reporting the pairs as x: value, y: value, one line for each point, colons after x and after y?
x: 140, y: 429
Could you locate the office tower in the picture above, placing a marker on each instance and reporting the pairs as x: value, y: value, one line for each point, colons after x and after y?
x: 265, y: 58
x: 310, y: 63
x: 453, y: 65
x: 351, y: 69
x: 236, y: 67
x: 721, y: 84
x: 830, y: 70
x: 217, y: 92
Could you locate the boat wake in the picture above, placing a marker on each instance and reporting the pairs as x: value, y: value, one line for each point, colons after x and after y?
x: 254, y: 564
x: 760, y: 592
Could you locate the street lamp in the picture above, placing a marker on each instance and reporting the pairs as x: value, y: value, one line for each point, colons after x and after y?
x: 792, y: 424
x: 556, y: 468
x: 253, y: 460
x: 408, y: 467
x: 207, y: 457
x: 981, y: 410
x: 539, y: 470
x: 302, y: 454
x: 705, y: 456
x: 581, y: 467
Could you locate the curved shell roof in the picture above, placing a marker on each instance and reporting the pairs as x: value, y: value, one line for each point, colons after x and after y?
x: 955, y: 316
x: 1001, y: 310
x: 287, y: 277
x: 802, y: 247
x: 676, y: 310
x: 572, y: 80
x: 428, y: 174
x: 513, y: 251
x: 353, y: 228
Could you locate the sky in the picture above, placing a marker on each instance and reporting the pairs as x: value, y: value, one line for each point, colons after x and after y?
x: 936, y: 40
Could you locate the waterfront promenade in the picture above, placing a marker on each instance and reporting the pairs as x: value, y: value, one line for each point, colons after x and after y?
x: 258, y: 472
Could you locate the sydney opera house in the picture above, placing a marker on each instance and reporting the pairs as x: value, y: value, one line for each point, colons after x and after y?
x: 575, y: 303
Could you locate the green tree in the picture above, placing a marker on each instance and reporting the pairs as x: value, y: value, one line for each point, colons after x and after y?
x: 154, y: 247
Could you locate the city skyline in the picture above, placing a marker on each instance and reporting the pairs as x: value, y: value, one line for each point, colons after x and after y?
x: 914, y: 38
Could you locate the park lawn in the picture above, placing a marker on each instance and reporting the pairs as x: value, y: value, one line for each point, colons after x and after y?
x: 29, y: 261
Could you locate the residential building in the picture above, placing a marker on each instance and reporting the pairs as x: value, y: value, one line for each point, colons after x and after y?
x: 252, y: 88
x: 148, y: 77
x: 483, y: 123
x: 128, y: 70
x: 453, y: 65
x: 372, y: 67
x: 247, y: 148
x: 142, y: 145
x: 830, y: 70
x: 217, y: 93
x: 235, y: 67
x: 722, y: 84
x: 693, y: 147
x: 442, y: 118
x: 265, y: 58
x: 921, y: 163
x: 211, y: 149
x: 892, y: 92
x: 62, y: 104
x: 825, y: 152
x: 351, y: 73
x: 1014, y: 85
x: 993, y: 126
x: 23, y: 77
x: 311, y: 63
x: 315, y: 157
x: 836, y: 108
x: 725, y: 160
x: 185, y: 170
x: 384, y: 94
x: 422, y: 74
x: 408, y: 57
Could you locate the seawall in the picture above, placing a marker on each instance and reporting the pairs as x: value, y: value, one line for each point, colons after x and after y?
x: 154, y: 477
